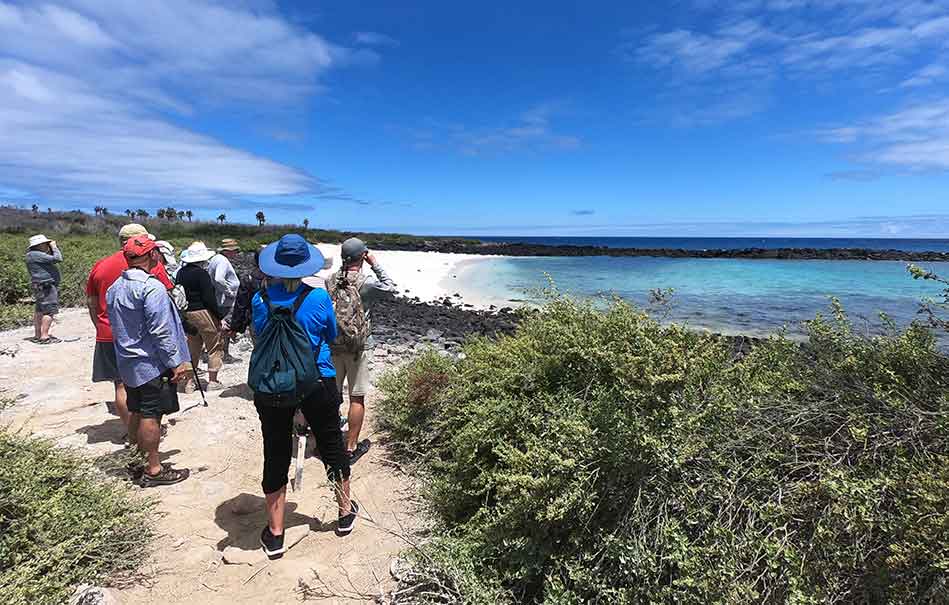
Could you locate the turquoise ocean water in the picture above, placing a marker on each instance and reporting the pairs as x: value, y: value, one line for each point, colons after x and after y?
x: 733, y: 296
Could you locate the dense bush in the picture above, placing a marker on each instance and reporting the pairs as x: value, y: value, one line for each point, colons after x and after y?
x: 62, y: 523
x: 603, y: 457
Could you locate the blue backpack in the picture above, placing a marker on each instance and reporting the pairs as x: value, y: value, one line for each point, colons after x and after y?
x: 283, y: 367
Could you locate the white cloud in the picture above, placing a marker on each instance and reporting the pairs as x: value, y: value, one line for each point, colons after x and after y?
x: 532, y: 131
x: 374, y: 39
x: 913, y: 139
x: 72, y: 143
x: 760, y: 42
x: 926, y: 76
x: 86, y: 87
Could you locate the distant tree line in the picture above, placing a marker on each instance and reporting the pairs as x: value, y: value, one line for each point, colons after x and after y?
x: 169, y: 213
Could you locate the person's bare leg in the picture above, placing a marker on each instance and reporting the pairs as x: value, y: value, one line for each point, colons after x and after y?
x: 122, y: 408
x: 149, y: 434
x: 37, y: 324
x: 357, y: 411
x: 46, y: 322
x: 134, y: 422
x: 212, y: 376
x: 342, y: 497
x: 276, y: 506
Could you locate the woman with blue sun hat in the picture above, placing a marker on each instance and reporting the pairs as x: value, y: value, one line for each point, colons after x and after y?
x: 285, y: 263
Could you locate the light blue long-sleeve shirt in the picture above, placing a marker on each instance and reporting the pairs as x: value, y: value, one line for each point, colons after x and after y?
x: 147, y: 331
x: 225, y: 281
x: 316, y: 315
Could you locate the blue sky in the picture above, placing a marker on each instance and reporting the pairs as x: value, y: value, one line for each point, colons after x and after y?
x: 769, y: 117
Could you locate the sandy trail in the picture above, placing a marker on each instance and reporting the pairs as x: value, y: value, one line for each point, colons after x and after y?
x: 207, y: 551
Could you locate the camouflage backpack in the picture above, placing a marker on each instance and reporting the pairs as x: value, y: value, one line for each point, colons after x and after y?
x: 352, y: 326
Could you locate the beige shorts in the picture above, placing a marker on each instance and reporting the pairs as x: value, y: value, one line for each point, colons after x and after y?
x: 354, y: 369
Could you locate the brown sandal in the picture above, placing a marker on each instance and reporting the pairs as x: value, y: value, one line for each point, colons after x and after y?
x: 167, y: 476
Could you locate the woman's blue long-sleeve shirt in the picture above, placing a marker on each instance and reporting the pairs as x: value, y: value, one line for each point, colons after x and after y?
x: 316, y: 315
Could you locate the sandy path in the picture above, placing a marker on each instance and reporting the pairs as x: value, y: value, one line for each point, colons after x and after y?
x: 200, y: 531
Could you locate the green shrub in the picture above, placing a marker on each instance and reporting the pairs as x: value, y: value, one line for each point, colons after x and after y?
x: 62, y: 523
x: 603, y: 457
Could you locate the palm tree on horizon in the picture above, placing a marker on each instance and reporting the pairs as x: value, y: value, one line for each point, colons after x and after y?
x: 306, y: 224
x: 261, y: 219
x: 189, y: 214
x: 221, y: 218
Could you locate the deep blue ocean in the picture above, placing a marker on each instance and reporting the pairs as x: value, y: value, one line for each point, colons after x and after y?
x: 731, y: 243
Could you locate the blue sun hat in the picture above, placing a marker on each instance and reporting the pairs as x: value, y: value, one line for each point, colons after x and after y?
x: 292, y: 257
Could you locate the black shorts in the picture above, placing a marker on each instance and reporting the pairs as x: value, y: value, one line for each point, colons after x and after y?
x: 46, y: 296
x: 155, y: 398
x: 104, y: 366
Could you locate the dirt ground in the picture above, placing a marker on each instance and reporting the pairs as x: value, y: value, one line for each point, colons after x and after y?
x: 207, y: 550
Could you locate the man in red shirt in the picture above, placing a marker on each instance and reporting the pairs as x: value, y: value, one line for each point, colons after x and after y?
x: 101, y: 277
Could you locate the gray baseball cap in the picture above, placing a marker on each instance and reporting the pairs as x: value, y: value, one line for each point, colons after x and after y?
x: 352, y: 248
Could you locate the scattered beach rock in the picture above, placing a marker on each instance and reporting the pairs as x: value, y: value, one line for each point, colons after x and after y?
x: 405, y: 327
x: 94, y: 595
x: 244, y: 504
x: 233, y: 555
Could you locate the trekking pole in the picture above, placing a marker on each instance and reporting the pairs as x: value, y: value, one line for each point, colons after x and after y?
x: 301, y: 454
x: 194, y: 372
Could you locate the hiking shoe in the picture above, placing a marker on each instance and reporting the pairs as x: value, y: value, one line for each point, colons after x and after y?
x: 49, y: 341
x: 187, y: 387
x: 214, y: 386
x: 361, y: 449
x: 346, y: 524
x: 167, y: 476
x: 272, y: 545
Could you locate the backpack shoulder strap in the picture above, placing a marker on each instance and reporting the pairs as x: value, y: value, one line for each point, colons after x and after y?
x: 265, y: 297
x: 301, y: 296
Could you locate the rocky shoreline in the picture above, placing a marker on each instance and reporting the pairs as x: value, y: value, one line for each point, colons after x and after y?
x: 521, y: 249
x: 404, y: 327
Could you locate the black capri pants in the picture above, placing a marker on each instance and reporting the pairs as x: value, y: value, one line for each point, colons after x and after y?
x: 321, y: 410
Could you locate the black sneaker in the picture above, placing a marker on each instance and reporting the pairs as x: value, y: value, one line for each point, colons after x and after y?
x: 273, y: 545
x: 361, y: 449
x: 346, y: 524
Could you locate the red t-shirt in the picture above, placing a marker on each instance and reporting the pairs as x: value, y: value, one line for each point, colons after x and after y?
x: 103, y: 275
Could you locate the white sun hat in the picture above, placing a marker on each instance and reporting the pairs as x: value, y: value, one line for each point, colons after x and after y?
x: 197, y: 252
x: 36, y: 240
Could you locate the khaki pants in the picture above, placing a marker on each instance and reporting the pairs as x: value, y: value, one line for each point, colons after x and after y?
x: 208, y: 338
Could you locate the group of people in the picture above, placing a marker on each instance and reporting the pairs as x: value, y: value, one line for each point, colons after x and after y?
x: 156, y: 316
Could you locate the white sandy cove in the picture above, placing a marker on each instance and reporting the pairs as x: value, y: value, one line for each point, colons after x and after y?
x: 427, y: 275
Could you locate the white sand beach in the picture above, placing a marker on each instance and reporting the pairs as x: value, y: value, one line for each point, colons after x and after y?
x: 427, y: 275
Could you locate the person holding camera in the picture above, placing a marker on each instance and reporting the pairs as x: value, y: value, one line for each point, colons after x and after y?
x: 352, y: 293
x: 41, y: 259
